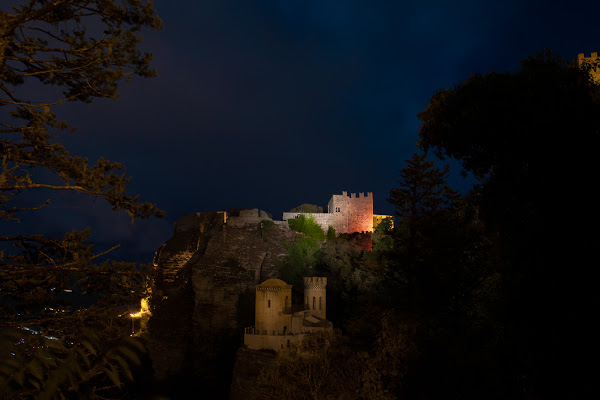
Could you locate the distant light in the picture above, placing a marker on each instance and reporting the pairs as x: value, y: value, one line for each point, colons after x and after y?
x: 68, y: 290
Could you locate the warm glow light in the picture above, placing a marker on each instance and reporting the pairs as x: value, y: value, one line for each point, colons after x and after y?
x: 144, y: 309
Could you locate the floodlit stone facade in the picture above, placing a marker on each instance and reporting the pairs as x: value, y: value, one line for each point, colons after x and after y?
x: 346, y: 214
x: 593, y: 61
x: 278, y: 325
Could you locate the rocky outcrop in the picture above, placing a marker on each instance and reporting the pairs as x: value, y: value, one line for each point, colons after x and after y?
x: 248, y: 364
x: 203, y: 295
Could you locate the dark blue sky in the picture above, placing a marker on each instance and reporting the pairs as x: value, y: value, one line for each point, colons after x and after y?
x: 271, y: 104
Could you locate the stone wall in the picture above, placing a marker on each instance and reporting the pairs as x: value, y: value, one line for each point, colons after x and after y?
x: 276, y: 342
x: 325, y: 220
x: 248, y: 217
x: 315, y: 296
x: 270, y: 305
x: 346, y: 214
x: 338, y: 206
x: 595, y: 70
x: 360, y: 212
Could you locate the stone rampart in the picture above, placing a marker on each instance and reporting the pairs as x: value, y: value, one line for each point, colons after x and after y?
x: 272, y: 341
x: 593, y: 61
x: 200, y: 222
x: 276, y: 340
x: 325, y: 220
x: 346, y: 214
x: 248, y: 217
x: 360, y: 212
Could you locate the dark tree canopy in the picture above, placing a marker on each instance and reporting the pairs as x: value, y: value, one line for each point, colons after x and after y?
x: 423, y: 191
x: 529, y: 137
x: 52, y: 52
x: 507, y: 120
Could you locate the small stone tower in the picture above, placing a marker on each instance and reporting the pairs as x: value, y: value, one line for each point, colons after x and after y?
x: 593, y: 62
x: 273, y: 298
x: 315, y: 298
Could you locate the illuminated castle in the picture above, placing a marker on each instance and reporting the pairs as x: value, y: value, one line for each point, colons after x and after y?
x: 346, y: 214
x: 593, y: 61
x: 279, y: 325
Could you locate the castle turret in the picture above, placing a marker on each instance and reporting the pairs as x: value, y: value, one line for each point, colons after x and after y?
x: 592, y: 63
x: 273, y: 297
x: 315, y: 298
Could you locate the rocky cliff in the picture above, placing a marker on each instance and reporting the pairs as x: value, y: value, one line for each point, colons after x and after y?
x: 203, y: 296
x: 248, y: 364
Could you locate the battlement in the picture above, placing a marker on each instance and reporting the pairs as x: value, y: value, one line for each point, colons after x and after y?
x: 581, y: 56
x: 278, y: 323
x: 592, y: 63
x: 359, y: 195
x: 315, y: 280
x: 247, y: 217
x: 345, y: 213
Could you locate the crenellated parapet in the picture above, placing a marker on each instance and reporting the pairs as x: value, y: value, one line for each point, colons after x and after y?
x: 592, y: 62
x: 278, y: 323
x: 315, y: 283
x: 315, y: 296
x: 345, y: 213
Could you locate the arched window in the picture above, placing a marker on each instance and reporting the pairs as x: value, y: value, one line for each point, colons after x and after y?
x: 319, y: 302
x: 314, y: 303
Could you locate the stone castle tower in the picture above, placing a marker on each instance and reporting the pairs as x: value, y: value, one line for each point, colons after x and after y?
x: 315, y: 299
x: 278, y: 324
x: 593, y: 61
x: 273, y: 297
x: 345, y: 214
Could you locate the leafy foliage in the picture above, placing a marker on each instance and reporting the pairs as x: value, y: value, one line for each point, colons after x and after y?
x: 75, y: 51
x: 331, y: 235
x: 526, y: 136
x: 47, y: 368
x: 52, y: 52
x: 302, y: 253
x: 302, y: 256
x: 382, y: 236
x: 265, y: 227
x: 322, y: 367
x: 459, y: 299
x: 423, y: 192
x: 308, y: 226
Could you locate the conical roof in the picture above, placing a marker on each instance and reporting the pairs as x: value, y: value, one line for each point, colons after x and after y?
x: 273, y: 283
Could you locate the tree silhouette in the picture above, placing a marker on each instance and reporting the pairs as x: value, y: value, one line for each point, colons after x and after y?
x: 527, y: 137
x: 53, y: 52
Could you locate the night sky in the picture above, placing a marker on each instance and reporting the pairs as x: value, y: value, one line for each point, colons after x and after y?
x: 271, y: 104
